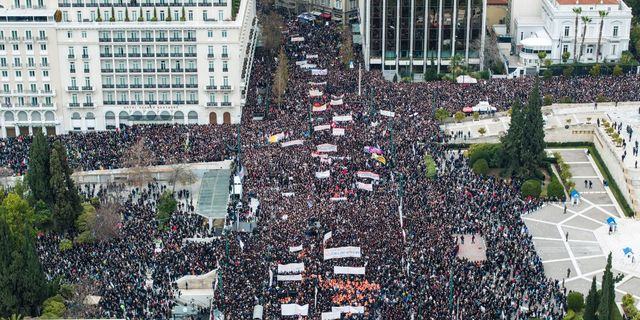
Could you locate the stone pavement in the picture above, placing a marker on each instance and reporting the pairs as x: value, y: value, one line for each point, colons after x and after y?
x: 584, y: 252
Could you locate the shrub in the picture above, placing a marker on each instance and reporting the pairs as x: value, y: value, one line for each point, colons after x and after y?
x: 476, y: 115
x: 531, y: 188
x: 442, y: 114
x: 629, y: 307
x: 547, y: 100
x: 53, y: 307
x: 570, y: 315
x: 554, y: 189
x: 66, y: 290
x: 601, y: 98
x: 568, y: 71
x: 617, y: 70
x: 65, y: 244
x: 481, y: 167
x: 566, y: 99
x: 595, y: 70
x: 431, y: 166
x: 575, y: 301
x: 492, y: 152
x: 459, y: 116
x: 57, y: 16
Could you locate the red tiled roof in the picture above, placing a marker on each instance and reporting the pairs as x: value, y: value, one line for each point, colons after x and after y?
x: 497, y: 2
x: 573, y: 2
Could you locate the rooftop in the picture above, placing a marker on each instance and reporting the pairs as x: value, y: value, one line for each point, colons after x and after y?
x: 497, y: 2
x: 586, y: 2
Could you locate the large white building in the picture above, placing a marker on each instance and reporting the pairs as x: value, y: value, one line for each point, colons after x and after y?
x: 111, y: 63
x: 551, y: 28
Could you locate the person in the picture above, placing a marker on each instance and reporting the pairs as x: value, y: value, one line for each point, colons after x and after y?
x: 568, y: 272
x: 565, y: 209
x: 566, y: 236
x: 473, y: 238
x: 590, y: 184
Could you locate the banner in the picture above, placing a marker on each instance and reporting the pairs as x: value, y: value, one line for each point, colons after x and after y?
x: 334, y: 97
x: 348, y: 309
x: 364, y: 186
x: 315, y: 93
x: 291, y: 267
x: 327, y: 147
x: 337, y: 102
x: 327, y: 236
x: 348, y: 270
x: 288, y: 194
x: 270, y: 277
x: 318, y: 72
x: 330, y: 315
x: 295, y: 310
x: 293, y: 277
x: 309, y: 66
x: 295, y: 249
x: 373, y: 150
x: 322, y: 127
x: 338, y: 199
x: 292, y: 143
x: 326, y: 160
x: 378, y: 158
x: 312, y: 56
x: 338, y: 131
x: 258, y: 310
x: 299, y: 63
x: 319, y: 155
x: 317, y: 83
x: 388, y: 113
x: 342, y: 252
x: 323, y: 174
x: 319, y: 108
x: 342, y: 118
x: 276, y: 137
x: 297, y: 39
x: 368, y: 174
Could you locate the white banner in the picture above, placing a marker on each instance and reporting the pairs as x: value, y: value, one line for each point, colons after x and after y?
x: 292, y: 143
x: 364, y: 186
x: 326, y: 160
x: 315, y: 93
x: 319, y: 108
x: 319, y: 155
x: 327, y: 147
x: 342, y: 118
x: 308, y: 66
x: 293, y: 277
x: 299, y: 63
x: 312, y: 56
x: 338, y: 131
x: 330, y: 315
x: 348, y: 309
x: 348, y: 270
x: 323, y: 174
x: 317, y: 83
x: 388, y: 113
x: 319, y: 72
x: 297, y: 39
x: 295, y: 310
x: 368, y: 174
x: 295, y: 249
x: 258, y: 310
x: 288, y: 194
x: 334, y: 97
x: 291, y: 267
x: 322, y: 127
x: 270, y: 277
x: 338, y: 199
x: 342, y: 252
x: 327, y: 236
x: 337, y: 102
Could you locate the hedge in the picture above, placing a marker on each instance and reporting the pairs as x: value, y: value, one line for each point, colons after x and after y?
x: 575, y: 301
x: 531, y: 188
x: 431, y: 166
x: 481, y: 167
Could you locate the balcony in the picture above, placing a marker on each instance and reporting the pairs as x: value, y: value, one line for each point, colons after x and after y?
x: 149, y: 70
x: 225, y: 104
x: 135, y: 86
x: 87, y: 88
x: 162, y: 54
x: 225, y: 88
x: 148, y: 55
x: 161, y: 39
x: 42, y: 38
x: 212, y: 104
x: 176, y: 38
x: 191, y: 54
x: 77, y: 4
x: 71, y: 56
x: 204, y: 4
x: 192, y: 102
x: 177, y: 70
x: 44, y: 65
x: 72, y: 88
x: 149, y: 85
x: 225, y: 55
x: 91, y: 5
x: 122, y: 86
x: 178, y: 102
x: 85, y: 70
x: 74, y: 104
x: 164, y: 86
x: 31, y: 65
x: 85, y: 56
x: 48, y: 92
x: 72, y: 70
x: 134, y: 55
x: 106, y: 55
x: 211, y: 69
x: 106, y: 102
x: 121, y: 70
x: 120, y: 55
x: 104, y: 39
x: 191, y: 86
x: 176, y: 54
x: 212, y: 87
x: 177, y: 85
x: 151, y: 102
x: 147, y: 39
x: 163, y: 70
x: 190, y: 39
x: 164, y: 102
x: 219, y: 4
x: 136, y: 70
x: 87, y: 104
x: 64, y: 5
x: 190, y: 70
x: 123, y: 102
x: 107, y: 86
x: 133, y: 39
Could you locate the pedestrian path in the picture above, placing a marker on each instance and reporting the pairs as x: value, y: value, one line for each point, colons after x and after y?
x: 574, y: 241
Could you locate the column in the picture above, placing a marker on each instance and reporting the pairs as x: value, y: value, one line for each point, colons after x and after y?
x: 483, y: 34
x: 439, y: 35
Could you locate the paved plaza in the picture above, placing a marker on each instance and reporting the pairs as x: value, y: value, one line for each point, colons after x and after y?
x: 579, y: 239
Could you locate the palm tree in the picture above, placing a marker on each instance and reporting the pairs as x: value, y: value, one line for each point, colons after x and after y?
x: 577, y: 11
x: 585, y: 21
x: 603, y: 14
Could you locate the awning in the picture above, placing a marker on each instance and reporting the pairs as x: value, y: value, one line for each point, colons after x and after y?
x: 611, y: 221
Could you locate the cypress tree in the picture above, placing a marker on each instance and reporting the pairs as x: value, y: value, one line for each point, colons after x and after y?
x: 72, y: 193
x: 38, y: 173
x: 607, y: 300
x: 31, y: 282
x: 512, y: 141
x: 533, y: 146
x: 8, y: 301
x: 63, y: 213
x: 592, y: 302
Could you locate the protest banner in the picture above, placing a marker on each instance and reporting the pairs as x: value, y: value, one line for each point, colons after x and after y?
x: 342, y: 252
x: 292, y: 143
x: 291, y: 268
x: 348, y: 270
x: 293, y: 309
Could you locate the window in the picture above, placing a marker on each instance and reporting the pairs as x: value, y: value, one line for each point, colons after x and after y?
x: 225, y: 81
x: 161, y: 15
x: 175, y: 15
x: 225, y: 66
x: 615, y: 31
x: 84, y: 34
x: 45, y: 74
x: 210, y: 34
x: 224, y: 34
x: 220, y: 15
x: 190, y: 15
x: 79, y: 16
x: 65, y: 16
x: 16, y: 48
x: 565, y: 48
x: 28, y: 34
x: 29, y: 47
x: 590, y: 49
x: 614, y: 49
x: 43, y: 47
x: 567, y: 29
x: 205, y: 15
x: 18, y: 74
x: 69, y: 35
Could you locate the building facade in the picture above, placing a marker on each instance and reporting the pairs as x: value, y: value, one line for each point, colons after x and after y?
x: 82, y: 65
x: 340, y: 10
x: 554, y: 31
x: 405, y: 37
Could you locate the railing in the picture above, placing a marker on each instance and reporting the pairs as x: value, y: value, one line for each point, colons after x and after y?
x: 107, y: 86
x: 104, y: 39
x: 134, y: 55
x: 150, y: 85
x: 87, y: 88
x: 212, y: 87
x: 136, y: 70
x: 148, y: 55
x: 71, y: 56
x: 176, y: 54
x: 226, y: 104
x: 190, y: 54
x: 177, y: 70
x: 135, y: 86
x: 87, y: 104
x: 106, y: 55
x: 149, y: 70
x: 74, y: 104
x: 120, y: 55
x: 122, y: 86
x: 212, y: 104
x: 72, y: 88
x: 177, y: 85
x: 191, y: 86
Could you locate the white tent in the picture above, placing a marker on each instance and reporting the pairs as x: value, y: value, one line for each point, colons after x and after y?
x: 466, y: 79
x: 484, y: 106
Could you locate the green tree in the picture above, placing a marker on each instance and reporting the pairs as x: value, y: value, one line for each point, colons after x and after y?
x: 577, y: 11
x: 85, y: 224
x: 575, y: 301
x: 281, y: 77
x: 38, y: 173
x: 66, y: 205
x: 167, y: 204
x: 168, y: 18
x: 482, y: 131
x: 565, y: 56
x: 617, y: 70
x: 607, y: 300
x: 567, y: 71
x: 531, y: 188
x: 442, y: 114
x: 126, y: 14
x: 140, y: 17
x: 8, y: 300
x: 533, y: 147
x: 595, y: 70
x: 183, y: 16
x: 476, y: 116
x: 72, y: 196
x: 99, y: 17
x: 18, y: 215
x: 481, y: 167
x: 113, y: 15
x: 591, y: 305
x: 30, y: 285
x: 459, y: 116
x: 512, y: 141
x: 602, y: 13
x: 456, y: 65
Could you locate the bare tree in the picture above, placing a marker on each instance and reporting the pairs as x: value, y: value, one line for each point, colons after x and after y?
x: 138, y: 158
x: 77, y: 305
x: 108, y: 218
x: 183, y: 175
x: 346, y: 48
x: 280, y: 77
x: 271, y: 31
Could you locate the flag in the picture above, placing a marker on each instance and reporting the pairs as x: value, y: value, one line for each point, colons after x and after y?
x: 379, y: 158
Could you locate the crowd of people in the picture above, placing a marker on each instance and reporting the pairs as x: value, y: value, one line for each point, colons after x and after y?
x: 356, y: 180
